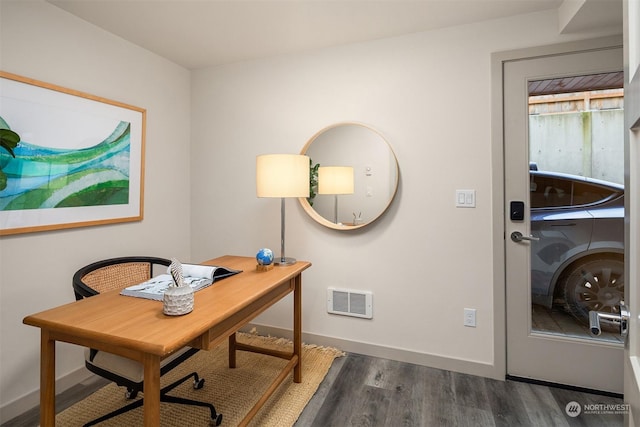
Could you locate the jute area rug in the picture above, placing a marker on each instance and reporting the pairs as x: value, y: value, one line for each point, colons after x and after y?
x: 233, y: 392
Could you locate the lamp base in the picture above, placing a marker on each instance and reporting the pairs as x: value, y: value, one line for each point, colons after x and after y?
x: 284, y: 261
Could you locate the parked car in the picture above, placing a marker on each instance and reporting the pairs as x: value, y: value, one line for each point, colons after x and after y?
x: 578, y: 260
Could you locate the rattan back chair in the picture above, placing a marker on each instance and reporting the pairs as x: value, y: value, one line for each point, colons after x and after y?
x: 116, y: 274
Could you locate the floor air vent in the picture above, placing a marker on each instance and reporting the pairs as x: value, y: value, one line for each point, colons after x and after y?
x: 350, y: 303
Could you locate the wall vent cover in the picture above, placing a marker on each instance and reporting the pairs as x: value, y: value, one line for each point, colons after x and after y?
x: 348, y: 302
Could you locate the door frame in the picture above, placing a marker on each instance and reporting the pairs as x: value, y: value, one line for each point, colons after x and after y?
x: 499, y: 224
x: 631, y: 27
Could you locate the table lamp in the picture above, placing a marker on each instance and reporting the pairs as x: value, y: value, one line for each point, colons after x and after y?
x: 335, y: 180
x: 282, y: 175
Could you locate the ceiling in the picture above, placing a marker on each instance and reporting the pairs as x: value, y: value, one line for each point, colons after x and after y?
x: 204, y: 33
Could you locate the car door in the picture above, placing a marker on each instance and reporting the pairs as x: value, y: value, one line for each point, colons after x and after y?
x: 561, y: 230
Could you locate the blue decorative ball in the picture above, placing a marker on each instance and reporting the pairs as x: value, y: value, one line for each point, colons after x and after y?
x: 264, y: 256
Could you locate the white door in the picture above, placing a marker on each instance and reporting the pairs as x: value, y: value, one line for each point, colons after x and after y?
x: 632, y: 145
x: 536, y: 353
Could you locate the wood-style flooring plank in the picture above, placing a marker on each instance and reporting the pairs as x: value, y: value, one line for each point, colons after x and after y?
x: 540, y: 405
x: 405, y: 408
x: 506, y: 403
x: 311, y: 410
x: 370, y: 409
x: 439, y: 406
x: 467, y: 416
x: 344, y: 393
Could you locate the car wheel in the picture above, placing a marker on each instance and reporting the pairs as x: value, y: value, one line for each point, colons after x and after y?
x: 594, y: 284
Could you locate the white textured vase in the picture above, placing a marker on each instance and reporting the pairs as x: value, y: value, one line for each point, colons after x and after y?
x: 178, y: 300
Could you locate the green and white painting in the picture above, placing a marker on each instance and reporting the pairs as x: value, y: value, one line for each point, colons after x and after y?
x: 78, y: 162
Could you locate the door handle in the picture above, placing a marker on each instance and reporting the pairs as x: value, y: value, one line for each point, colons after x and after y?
x: 517, y: 236
x: 621, y: 319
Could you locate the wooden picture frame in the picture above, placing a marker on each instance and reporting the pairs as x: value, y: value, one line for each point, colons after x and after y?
x: 80, y: 161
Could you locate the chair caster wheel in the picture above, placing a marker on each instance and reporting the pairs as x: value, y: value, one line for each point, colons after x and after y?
x: 217, y: 421
x: 197, y: 385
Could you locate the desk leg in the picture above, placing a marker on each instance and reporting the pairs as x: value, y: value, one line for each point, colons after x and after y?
x: 297, y: 327
x: 151, y: 390
x: 47, y: 380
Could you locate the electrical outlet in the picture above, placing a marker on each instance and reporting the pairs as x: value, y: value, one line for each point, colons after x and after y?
x: 470, y: 317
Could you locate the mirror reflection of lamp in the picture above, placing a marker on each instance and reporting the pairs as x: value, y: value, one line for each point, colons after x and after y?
x: 282, y: 175
x: 335, y: 180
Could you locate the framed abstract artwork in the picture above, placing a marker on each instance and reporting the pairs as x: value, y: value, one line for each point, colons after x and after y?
x: 79, y: 162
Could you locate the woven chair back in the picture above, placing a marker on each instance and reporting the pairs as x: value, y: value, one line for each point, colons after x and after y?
x: 117, y: 276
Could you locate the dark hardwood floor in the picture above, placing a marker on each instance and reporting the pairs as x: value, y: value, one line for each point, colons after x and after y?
x: 368, y: 391
x: 64, y: 400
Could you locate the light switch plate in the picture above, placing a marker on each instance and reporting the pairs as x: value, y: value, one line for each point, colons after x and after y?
x: 465, y: 198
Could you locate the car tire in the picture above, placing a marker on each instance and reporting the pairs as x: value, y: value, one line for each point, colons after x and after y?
x: 594, y: 284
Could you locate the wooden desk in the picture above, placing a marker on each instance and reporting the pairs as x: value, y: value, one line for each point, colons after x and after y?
x: 136, y: 328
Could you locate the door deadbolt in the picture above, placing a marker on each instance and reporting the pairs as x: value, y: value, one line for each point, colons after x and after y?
x: 516, y: 210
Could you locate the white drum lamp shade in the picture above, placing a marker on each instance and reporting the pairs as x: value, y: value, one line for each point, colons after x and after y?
x: 282, y: 175
x: 335, y: 180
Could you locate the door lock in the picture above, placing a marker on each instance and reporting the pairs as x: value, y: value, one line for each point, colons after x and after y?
x: 516, y: 210
x: 621, y: 319
x: 517, y: 236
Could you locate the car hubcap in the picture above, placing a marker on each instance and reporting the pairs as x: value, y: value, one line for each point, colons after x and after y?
x: 601, y: 291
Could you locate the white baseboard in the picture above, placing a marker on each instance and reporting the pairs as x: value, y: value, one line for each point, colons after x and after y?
x: 31, y: 400
x: 402, y: 355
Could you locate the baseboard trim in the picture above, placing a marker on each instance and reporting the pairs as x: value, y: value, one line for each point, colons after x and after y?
x: 32, y: 400
x: 402, y: 355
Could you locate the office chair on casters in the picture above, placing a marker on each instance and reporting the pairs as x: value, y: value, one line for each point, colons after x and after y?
x: 114, y: 274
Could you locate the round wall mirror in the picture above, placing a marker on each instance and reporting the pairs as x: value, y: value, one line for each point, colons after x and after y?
x: 353, y: 176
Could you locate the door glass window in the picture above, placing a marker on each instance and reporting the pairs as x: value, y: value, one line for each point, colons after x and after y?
x: 573, y: 136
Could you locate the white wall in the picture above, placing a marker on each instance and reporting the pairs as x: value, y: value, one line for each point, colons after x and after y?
x: 40, y: 41
x: 429, y: 94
